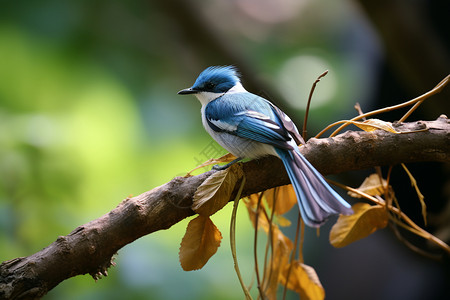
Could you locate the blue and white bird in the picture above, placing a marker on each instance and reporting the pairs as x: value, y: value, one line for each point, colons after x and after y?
x: 249, y: 126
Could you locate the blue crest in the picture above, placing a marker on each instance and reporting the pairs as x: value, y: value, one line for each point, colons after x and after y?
x: 218, y: 79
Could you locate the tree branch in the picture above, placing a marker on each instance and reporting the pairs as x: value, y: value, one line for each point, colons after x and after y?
x: 90, y: 247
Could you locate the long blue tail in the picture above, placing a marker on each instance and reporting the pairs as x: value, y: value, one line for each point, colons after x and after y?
x: 316, y: 199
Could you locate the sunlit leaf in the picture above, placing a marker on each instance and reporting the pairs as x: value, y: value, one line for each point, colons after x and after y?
x: 372, y: 185
x: 374, y: 124
x: 303, y: 279
x: 200, y: 242
x: 283, y: 196
x: 365, y: 220
x: 214, y: 193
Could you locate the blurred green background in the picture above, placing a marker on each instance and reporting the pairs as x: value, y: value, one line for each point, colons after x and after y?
x: 89, y: 115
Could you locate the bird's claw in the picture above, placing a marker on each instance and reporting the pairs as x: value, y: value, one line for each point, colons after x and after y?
x: 219, y: 167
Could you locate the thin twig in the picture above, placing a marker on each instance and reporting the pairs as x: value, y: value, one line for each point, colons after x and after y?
x: 255, y: 246
x: 421, y: 98
x: 387, y: 195
x: 414, y: 248
x: 302, y: 241
x: 272, y: 257
x: 439, y: 86
x: 233, y: 240
x: 311, y: 92
x: 268, y: 245
x: 292, y: 258
x: 419, y: 194
x: 358, y: 109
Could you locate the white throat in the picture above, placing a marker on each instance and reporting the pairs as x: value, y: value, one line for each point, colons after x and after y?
x: 238, y: 88
x: 206, y: 97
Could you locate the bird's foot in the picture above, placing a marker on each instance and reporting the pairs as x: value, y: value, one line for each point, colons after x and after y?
x: 220, y: 168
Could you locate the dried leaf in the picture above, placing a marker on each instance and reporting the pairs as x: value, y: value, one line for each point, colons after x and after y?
x: 252, y: 200
x: 282, y: 247
x: 263, y: 222
x: 200, y: 242
x: 303, y: 279
x: 283, y: 222
x: 282, y: 239
x: 371, y: 186
x: 419, y: 194
x: 214, y: 193
x: 374, y: 124
x: 365, y: 220
x: 283, y: 196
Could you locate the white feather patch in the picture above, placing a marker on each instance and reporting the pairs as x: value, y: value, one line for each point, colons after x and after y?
x: 237, y: 88
x: 206, y: 97
x: 271, y: 125
x: 257, y: 115
x: 224, y: 125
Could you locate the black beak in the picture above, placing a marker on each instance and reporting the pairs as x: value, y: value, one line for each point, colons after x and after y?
x: 187, y: 91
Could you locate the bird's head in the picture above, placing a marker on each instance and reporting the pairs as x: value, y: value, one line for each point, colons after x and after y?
x: 214, y: 82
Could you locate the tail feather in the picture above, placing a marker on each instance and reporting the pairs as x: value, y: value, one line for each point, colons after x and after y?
x: 316, y: 199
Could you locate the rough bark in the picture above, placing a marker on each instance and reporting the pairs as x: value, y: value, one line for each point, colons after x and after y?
x: 90, y: 247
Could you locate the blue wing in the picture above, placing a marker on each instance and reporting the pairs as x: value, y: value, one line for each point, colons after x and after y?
x: 249, y: 116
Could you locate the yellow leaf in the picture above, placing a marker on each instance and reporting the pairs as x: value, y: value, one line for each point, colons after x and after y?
x: 303, y: 279
x: 365, y: 220
x: 263, y: 222
x: 252, y: 200
x: 283, y: 222
x: 374, y: 124
x: 214, y: 193
x: 275, y: 266
x: 283, y: 196
x: 371, y: 185
x: 200, y: 242
x: 281, y: 239
x: 282, y: 247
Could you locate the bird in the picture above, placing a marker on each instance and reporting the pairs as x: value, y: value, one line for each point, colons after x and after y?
x: 249, y: 126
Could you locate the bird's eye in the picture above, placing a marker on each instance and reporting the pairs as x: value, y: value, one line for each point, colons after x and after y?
x: 209, y: 85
